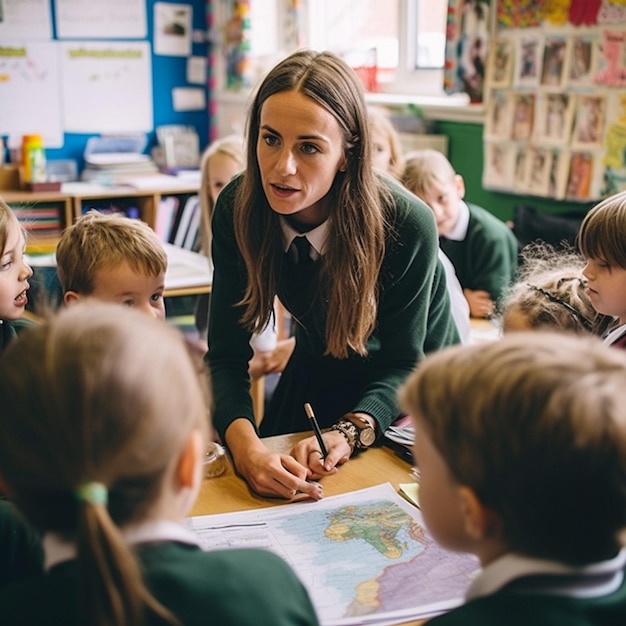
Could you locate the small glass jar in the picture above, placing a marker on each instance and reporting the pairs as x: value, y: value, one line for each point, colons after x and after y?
x: 215, y: 460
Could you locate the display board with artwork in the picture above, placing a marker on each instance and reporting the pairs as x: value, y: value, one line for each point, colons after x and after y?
x: 555, y: 99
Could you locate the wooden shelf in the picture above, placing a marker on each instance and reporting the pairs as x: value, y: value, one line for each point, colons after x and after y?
x: 187, y: 272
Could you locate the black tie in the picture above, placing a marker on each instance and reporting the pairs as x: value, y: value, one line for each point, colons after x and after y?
x: 304, y: 250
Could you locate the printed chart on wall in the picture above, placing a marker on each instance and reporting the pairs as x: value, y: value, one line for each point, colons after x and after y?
x: 365, y: 557
x: 107, y: 86
x: 29, y: 79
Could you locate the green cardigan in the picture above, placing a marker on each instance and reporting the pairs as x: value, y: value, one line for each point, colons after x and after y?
x: 487, y: 257
x: 525, y: 609
x: 237, y: 587
x: 413, y: 318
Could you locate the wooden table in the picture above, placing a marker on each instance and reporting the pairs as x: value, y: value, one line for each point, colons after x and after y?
x: 229, y: 493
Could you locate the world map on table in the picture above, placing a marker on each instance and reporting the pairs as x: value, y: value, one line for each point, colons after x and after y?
x: 361, y: 554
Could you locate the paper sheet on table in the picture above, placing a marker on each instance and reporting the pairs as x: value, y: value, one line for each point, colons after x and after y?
x: 365, y: 556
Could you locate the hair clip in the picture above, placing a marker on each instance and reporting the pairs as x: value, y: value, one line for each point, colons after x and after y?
x: 587, y: 324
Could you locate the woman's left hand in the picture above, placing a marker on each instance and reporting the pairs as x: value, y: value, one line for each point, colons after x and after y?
x: 307, y: 452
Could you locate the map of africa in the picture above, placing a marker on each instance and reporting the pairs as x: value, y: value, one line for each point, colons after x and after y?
x: 361, y: 554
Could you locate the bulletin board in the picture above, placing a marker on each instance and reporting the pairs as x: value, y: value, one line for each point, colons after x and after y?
x: 73, y: 69
x: 556, y: 99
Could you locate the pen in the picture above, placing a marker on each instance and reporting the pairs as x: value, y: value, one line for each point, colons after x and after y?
x: 316, y: 429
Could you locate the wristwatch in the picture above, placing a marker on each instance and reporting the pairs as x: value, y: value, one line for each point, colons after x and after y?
x: 357, y: 430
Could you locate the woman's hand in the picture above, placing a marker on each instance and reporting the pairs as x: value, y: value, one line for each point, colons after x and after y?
x: 307, y: 452
x: 268, y: 473
x: 480, y: 302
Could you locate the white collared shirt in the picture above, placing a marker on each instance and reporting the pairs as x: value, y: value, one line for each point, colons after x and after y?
x: 316, y: 237
x: 57, y: 549
x: 615, y: 334
x: 459, y: 232
x: 590, y: 581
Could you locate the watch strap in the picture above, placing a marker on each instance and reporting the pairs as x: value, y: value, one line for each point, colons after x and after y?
x: 348, y: 430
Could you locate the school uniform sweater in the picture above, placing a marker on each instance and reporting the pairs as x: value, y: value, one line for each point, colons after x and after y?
x: 7, y: 334
x: 486, y: 258
x: 519, y: 591
x: 238, y: 587
x: 414, y: 318
x: 21, y: 553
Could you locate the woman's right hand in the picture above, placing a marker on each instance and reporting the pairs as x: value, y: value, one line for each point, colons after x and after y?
x: 268, y: 473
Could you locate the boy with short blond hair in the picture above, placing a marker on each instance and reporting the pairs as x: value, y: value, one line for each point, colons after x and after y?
x: 114, y: 259
x: 482, y: 248
x: 521, y: 447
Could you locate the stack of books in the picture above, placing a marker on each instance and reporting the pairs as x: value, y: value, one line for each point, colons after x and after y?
x: 43, y: 226
x: 114, y: 168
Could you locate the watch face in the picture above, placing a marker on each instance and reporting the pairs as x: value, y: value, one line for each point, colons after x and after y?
x: 367, y: 437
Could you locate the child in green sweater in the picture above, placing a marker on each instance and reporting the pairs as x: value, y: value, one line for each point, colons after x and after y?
x: 520, y: 446
x: 481, y: 247
x: 102, y: 446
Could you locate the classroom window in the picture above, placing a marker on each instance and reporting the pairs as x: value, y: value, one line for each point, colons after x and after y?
x: 404, y: 38
x: 402, y: 42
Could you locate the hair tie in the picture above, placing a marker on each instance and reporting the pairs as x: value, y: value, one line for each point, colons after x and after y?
x: 93, y: 493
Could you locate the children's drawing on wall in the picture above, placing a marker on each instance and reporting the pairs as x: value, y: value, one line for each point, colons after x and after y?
x: 581, y: 60
x: 499, y: 115
x: 519, y: 13
x: 523, y: 113
x: 501, y: 63
x: 498, y: 171
x: 172, y: 29
x: 558, y: 174
x: 472, y: 46
x: 539, y: 163
x: 579, y: 179
x: 528, y: 60
x: 236, y: 45
x: 589, y: 123
x: 553, y: 120
x: 612, y: 59
x: 615, y: 145
x: 612, y: 12
x: 519, y: 171
x: 553, y: 67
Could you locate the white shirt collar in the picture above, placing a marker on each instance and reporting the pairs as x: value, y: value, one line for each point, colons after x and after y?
x: 459, y: 232
x: 595, y: 580
x: 57, y: 549
x: 615, y: 334
x: 317, y: 237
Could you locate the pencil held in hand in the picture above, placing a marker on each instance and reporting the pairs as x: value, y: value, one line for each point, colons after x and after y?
x: 316, y: 429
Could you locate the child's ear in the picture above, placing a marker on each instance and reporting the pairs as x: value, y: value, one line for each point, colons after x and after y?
x: 480, y: 522
x: 460, y: 186
x: 190, y: 457
x: 70, y: 297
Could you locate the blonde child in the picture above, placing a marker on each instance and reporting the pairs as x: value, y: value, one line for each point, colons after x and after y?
x: 107, y: 460
x: 112, y: 259
x: 388, y: 151
x: 220, y: 162
x: 482, y: 248
x: 549, y: 293
x: 520, y: 447
x: 19, y: 544
x: 602, y: 241
x: 14, y: 274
